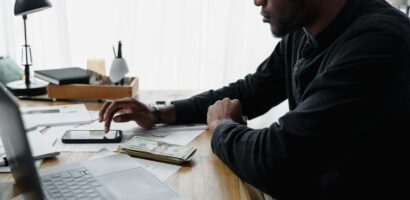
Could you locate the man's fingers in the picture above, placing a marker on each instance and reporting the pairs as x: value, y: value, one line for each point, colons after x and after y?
x: 103, y: 109
x: 124, y: 117
x: 109, y: 114
x: 123, y: 107
x: 116, y: 106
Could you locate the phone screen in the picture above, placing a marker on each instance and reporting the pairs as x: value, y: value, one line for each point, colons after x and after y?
x: 91, y: 135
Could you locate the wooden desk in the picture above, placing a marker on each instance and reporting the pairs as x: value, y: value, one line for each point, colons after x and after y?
x: 206, y: 178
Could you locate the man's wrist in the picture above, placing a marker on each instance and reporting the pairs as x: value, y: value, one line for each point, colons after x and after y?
x: 216, y: 123
x: 157, y: 114
x: 164, y: 114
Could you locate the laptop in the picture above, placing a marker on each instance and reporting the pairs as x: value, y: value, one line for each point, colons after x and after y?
x: 111, y: 177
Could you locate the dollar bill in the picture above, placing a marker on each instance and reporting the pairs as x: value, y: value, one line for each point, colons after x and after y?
x: 152, y: 149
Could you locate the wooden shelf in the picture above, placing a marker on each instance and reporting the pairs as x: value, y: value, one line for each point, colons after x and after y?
x: 90, y: 91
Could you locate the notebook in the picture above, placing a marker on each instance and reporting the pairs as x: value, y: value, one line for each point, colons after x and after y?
x: 64, y: 75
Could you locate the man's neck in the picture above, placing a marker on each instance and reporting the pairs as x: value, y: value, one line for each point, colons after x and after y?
x: 326, y: 11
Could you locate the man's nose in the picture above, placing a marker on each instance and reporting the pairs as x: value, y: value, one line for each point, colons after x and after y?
x: 259, y: 2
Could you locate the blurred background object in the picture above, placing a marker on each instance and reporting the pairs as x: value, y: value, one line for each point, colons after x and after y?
x: 397, y: 3
x: 9, y: 70
x: 190, y: 45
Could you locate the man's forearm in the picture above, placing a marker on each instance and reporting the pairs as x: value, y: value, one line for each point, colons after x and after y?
x: 236, y: 145
x: 166, y: 115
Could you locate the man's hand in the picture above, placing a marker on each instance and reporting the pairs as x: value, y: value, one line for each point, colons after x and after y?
x: 128, y: 109
x: 222, y: 110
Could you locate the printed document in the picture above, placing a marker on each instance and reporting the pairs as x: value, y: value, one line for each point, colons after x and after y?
x: 56, y: 115
x: 173, y: 134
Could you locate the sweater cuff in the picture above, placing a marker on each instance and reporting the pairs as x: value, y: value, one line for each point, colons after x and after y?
x: 183, y: 111
x: 219, y: 134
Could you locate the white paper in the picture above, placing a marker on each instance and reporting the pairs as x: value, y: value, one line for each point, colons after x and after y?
x: 179, y: 134
x: 84, y: 147
x: 2, y: 153
x: 40, y: 145
x: 174, y: 134
x: 57, y: 133
x: 161, y: 170
x: 56, y: 115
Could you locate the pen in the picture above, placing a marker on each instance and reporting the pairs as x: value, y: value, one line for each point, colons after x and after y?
x: 119, y: 55
x: 113, y: 49
x: 119, y: 49
x: 54, y: 141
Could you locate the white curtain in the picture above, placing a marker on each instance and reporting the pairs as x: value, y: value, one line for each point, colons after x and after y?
x: 7, y: 39
x: 169, y: 44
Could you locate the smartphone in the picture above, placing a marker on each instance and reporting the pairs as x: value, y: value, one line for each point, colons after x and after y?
x: 92, y: 136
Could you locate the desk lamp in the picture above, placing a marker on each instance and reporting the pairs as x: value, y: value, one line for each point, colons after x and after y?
x: 27, y: 87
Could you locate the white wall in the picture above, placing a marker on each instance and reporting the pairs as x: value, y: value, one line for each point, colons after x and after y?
x: 7, y: 39
x: 169, y: 44
x: 172, y: 44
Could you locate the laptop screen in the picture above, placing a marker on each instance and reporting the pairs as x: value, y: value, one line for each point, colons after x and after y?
x: 13, y: 136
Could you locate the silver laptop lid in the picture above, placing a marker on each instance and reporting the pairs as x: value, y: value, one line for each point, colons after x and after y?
x: 16, y: 146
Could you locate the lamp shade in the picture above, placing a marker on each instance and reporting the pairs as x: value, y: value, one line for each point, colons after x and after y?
x: 24, y: 7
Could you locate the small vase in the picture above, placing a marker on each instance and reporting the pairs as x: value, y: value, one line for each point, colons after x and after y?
x: 118, y: 70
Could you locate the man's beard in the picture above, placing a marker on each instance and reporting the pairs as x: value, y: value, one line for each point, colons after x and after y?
x: 292, y: 19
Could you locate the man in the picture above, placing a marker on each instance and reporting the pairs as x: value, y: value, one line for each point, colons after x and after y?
x: 344, y: 66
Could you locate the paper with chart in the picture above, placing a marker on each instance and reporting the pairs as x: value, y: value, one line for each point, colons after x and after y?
x: 56, y: 115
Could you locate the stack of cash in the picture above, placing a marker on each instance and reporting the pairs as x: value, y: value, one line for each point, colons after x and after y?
x: 156, y: 150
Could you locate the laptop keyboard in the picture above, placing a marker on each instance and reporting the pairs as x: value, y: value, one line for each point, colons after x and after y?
x: 71, y: 185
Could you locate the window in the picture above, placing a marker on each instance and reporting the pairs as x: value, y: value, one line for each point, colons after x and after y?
x: 172, y: 44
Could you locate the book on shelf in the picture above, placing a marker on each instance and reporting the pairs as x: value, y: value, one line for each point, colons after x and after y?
x: 63, y: 76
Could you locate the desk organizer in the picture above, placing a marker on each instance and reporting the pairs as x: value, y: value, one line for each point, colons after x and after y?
x: 104, y: 90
